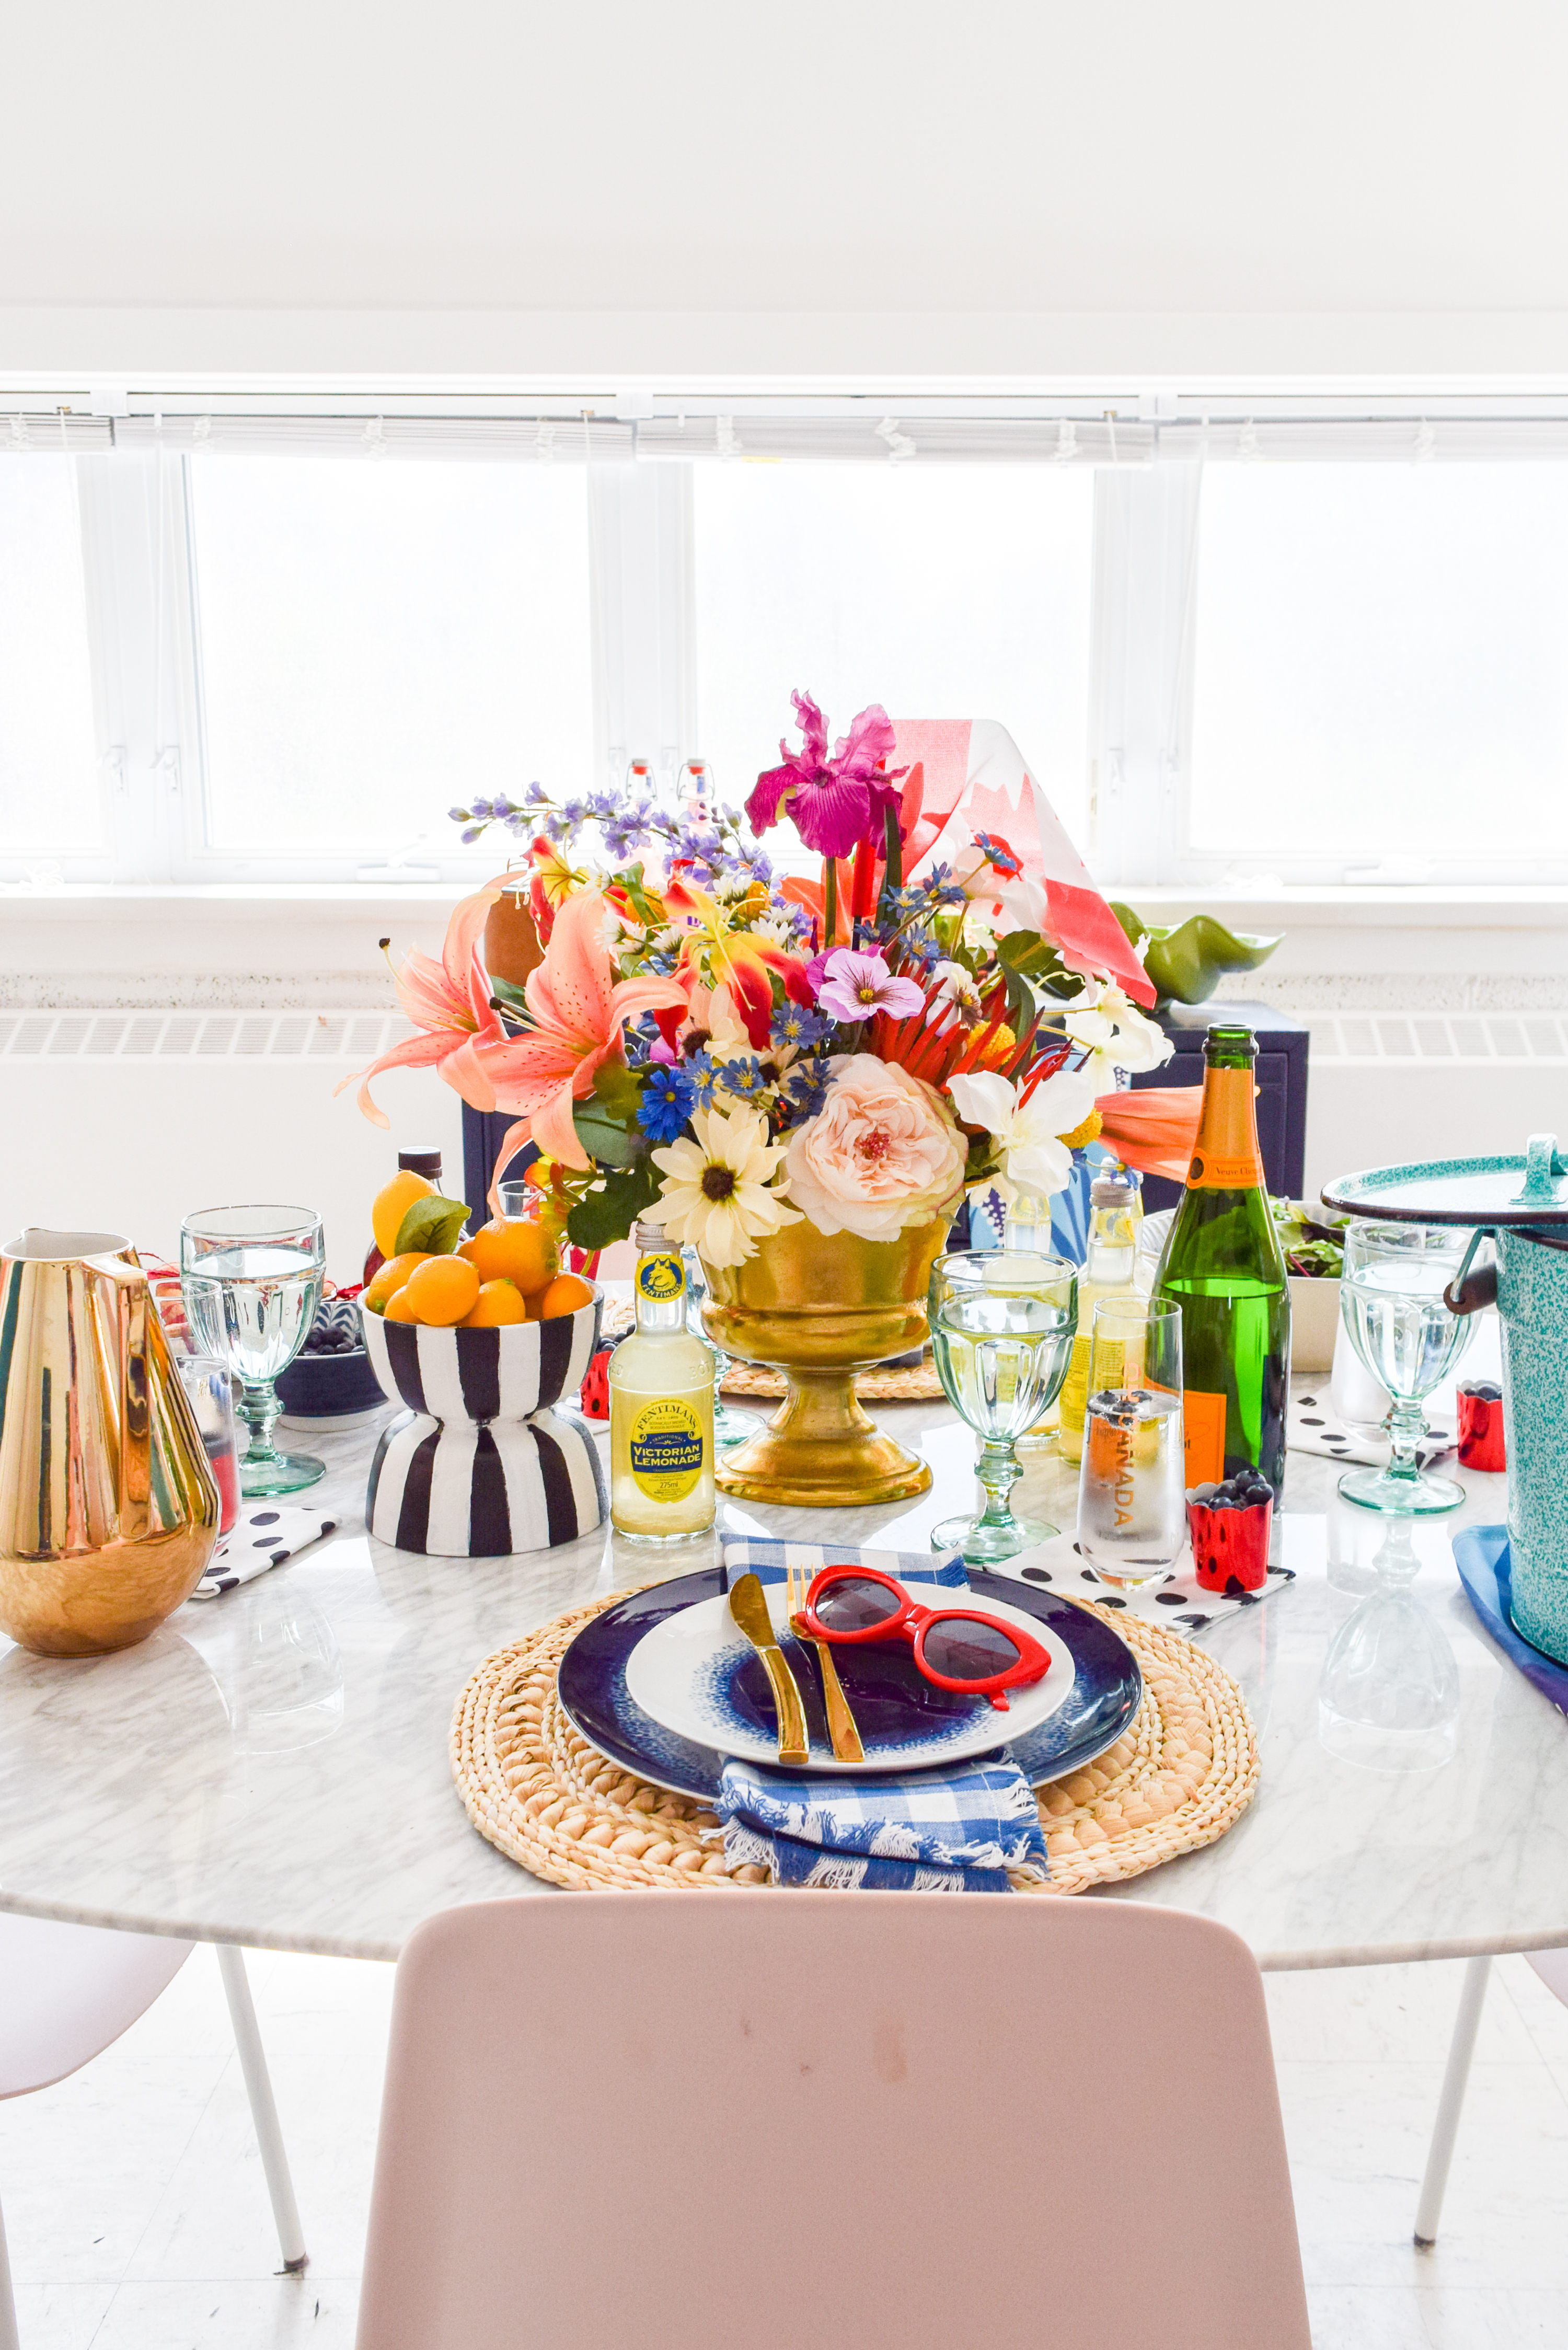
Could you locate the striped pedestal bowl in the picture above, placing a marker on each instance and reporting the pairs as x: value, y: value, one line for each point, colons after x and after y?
x: 486, y: 1457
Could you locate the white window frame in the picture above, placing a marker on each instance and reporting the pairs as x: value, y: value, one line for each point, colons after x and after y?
x: 142, y: 625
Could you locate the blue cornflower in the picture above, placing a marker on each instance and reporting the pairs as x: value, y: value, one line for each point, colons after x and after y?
x: 702, y: 1072
x: 744, y: 1077
x: 795, y: 1023
x: 668, y: 1094
x: 806, y: 1088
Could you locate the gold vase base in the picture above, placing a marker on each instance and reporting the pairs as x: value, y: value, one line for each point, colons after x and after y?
x: 820, y: 1451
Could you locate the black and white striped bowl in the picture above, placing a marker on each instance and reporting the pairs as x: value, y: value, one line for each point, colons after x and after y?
x: 490, y: 1455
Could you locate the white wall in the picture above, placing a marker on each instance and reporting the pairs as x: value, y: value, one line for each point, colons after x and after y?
x: 1035, y: 188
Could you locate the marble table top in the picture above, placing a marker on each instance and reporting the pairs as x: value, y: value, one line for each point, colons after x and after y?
x: 270, y: 1768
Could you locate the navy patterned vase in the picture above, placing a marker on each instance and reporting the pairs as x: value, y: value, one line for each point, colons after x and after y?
x: 487, y: 1457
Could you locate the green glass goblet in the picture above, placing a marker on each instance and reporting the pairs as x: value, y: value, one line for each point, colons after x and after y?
x: 1003, y: 1322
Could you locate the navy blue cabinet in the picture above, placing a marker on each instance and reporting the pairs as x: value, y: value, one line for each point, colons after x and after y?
x: 1281, y: 1086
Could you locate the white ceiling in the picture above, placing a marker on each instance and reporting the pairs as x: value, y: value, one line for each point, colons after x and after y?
x: 1020, y: 162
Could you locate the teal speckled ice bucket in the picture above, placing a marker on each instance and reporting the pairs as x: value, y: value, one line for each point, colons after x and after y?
x: 1522, y: 1204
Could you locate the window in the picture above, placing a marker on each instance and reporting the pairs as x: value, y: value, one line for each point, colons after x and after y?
x: 961, y: 591
x: 1382, y: 664
x: 378, y: 642
x: 50, y: 794
x: 280, y: 647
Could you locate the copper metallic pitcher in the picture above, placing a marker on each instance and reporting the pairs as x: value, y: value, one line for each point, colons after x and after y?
x: 108, y: 1511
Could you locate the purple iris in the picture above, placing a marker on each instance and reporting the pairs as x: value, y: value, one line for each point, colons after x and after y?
x: 836, y: 802
x: 858, y: 986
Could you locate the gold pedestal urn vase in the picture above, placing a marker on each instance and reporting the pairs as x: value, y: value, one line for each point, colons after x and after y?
x: 819, y: 1309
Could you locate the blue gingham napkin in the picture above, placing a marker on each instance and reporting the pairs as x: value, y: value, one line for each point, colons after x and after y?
x: 956, y: 1830
x: 770, y: 1561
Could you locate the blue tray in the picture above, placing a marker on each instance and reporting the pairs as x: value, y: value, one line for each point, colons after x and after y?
x: 1480, y: 1554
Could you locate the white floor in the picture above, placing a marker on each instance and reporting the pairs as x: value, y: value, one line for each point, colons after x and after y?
x: 137, y: 2218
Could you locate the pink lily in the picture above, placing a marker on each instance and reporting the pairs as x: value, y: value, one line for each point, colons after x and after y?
x: 578, y: 1016
x: 449, y: 1002
x: 837, y: 803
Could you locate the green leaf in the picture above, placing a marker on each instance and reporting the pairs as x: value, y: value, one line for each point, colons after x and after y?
x: 433, y: 1225
x: 605, y: 1139
x: 1027, y: 952
x: 601, y: 1218
x: 502, y: 991
x: 617, y: 1091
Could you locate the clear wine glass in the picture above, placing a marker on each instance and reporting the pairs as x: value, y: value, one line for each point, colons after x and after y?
x: 1391, y: 1298
x: 1002, y: 1333
x: 1132, y: 1502
x: 251, y: 1282
x: 729, y: 1427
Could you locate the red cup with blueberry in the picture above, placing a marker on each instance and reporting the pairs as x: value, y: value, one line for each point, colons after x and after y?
x: 1229, y: 1524
x: 1481, y: 1444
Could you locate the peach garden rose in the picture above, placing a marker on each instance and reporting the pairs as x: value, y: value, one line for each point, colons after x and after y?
x: 882, y: 1154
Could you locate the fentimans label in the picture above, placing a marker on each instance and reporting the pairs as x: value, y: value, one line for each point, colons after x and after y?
x: 666, y: 1446
x: 660, y: 1278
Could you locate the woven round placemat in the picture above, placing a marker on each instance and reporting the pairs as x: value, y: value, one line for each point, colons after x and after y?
x: 1182, y: 1773
x: 918, y: 1384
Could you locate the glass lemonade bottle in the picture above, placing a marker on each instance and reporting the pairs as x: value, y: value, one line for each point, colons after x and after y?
x: 1222, y: 1266
x: 661, y: 1407
x: 1107, y: 1272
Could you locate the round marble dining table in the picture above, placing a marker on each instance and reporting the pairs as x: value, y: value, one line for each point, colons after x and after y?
x: 271, y: 1767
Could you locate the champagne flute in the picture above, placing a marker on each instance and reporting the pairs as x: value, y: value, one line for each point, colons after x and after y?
x: 251, y: 1282
x: 1391, y: 1299
x: 1002, y: 1331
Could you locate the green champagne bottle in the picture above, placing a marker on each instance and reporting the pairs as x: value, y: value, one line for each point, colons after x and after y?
x: 1222, y: 1266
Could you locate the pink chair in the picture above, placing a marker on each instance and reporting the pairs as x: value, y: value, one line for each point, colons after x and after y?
x: 754, y: 2121
x: 67, y: 1992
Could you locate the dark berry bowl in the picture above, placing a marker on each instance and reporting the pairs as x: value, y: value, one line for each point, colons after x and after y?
x: 330, y: 1384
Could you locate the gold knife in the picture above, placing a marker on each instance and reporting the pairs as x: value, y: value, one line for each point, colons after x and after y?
x: 749, y: 1607
x: 842, y: 1726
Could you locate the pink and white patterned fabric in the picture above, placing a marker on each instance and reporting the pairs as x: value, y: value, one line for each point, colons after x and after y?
x: 974, y: 780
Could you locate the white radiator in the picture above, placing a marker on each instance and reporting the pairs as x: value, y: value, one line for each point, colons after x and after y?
x: 125, y: 1121
x: 1386, y: 1087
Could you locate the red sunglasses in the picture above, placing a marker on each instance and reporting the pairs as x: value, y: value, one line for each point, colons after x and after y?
x: 956, y: 1647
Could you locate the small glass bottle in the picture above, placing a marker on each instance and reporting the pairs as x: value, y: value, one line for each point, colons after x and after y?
x: 1107, y: 1272
x: 661, y: 1407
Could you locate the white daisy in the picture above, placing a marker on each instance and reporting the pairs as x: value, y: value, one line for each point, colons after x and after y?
x: 719, y: 1192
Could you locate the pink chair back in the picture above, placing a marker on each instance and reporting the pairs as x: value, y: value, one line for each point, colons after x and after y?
x: 760, y: 2122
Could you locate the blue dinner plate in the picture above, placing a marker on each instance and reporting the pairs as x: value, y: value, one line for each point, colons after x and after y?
x: 592, y: 1685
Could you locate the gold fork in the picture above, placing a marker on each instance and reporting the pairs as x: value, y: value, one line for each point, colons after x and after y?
x: 841, y: 1723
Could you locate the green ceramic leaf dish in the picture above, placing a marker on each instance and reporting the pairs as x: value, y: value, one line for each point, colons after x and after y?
x: 1188, y: 962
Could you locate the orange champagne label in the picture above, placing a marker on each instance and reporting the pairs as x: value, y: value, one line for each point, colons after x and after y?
x: 1225, y: 1156
x: 1203, y: 1426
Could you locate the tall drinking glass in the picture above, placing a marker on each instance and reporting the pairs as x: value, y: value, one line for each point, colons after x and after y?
x: 1001, y: 1332
x: 1132, y: 1501
x: 1391, y: 1298
x: 252, y: 1283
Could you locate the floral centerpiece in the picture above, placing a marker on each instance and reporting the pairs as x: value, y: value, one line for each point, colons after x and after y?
x: 801, y: 1073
